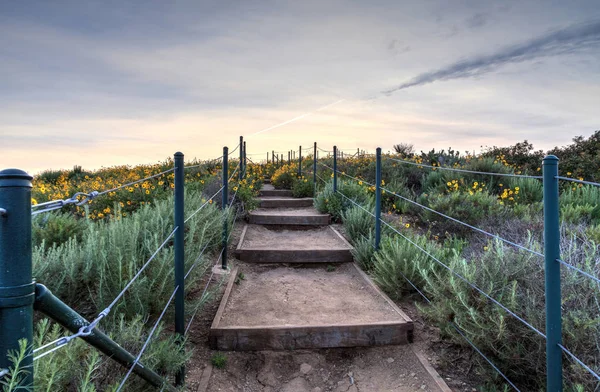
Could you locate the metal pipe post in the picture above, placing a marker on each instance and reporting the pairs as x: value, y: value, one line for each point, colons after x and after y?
x: 378, y: 199
x: 334, y: 169
x: 315, y: 169
x: 300, y: 162
x: 552, y: 275
x: 245, y: 160
x: 179, y: 257
x: 50, y: 305
x: 225, y: 200
x: 17, y: 289
x: 241, y: 166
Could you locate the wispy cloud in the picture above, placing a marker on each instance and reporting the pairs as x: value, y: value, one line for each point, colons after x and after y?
x: 570, y: 40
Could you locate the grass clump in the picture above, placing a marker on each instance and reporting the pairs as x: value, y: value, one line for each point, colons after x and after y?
x: 219, y: 360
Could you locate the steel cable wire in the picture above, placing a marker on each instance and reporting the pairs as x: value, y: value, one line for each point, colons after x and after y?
x: 445, y: 216
x: 451, y: 323
x: 210, y: 278
x: 578, y: 270
x: 57, y: 204
x: 106, y: 311
x: 464, y: 170
x: 577, y: 181
x: 579, y: 361
x: 137, y: 359
x: 451, y: 270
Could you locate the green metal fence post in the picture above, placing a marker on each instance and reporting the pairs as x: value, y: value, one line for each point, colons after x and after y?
x: 300, y: 162
x: 17, y: 289
x: 378, y: 199
x: 179, y: 257
x: 552, y: 275
x: 241, y: 165
x: 225, y: 200
x: 315, y: 168
x: 289, y: 157
x: 334, y: 169
x: 53, y: 307
x: 245, y: 162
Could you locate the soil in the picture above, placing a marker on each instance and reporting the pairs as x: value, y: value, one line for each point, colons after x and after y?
x: 279, y: 295
x: 261, y: 237
x: 390, y: 368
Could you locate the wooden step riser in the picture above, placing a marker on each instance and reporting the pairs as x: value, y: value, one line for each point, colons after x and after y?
x: 276, y: 192
x: 286, y: 203
x: 294, y: 256
x: 301, y: 337
x: 288, y: 220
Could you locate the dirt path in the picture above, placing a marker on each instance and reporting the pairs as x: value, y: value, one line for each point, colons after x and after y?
x: 403, y: 368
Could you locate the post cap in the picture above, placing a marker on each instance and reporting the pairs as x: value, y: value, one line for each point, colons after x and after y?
x: 15, y: 178
x: 178, y: 154
x: 550, y: 160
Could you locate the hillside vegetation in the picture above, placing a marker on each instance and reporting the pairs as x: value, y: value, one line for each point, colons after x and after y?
x: 420, y: 248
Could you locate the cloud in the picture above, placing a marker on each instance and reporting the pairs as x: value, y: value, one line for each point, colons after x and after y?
x: 569, y: 40
x: 477, y: 20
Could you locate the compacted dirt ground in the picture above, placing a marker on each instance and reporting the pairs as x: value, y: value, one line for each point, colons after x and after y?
x: 371, y: 369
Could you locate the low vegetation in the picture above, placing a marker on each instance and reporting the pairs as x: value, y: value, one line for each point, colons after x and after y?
x: 86, y: 255
x: 433, y: 257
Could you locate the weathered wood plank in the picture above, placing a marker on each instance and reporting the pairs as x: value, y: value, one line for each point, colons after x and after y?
x: 300, y: 220
x: 294, y: 256
x: 276, y: 192
x: 286, y: 202
x: 241, y: 338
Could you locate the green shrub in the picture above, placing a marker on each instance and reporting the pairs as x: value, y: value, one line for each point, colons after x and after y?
x: 284, y: 181
x: 530, y: 190
x: 398, y: 260
x: 364, y: 252
x: 56, y: 228
x: 87, y: 275
x: 469, y: 208
x: 358, y: 223
x: 436, y: 181
x: 284, y: 176
x: 302, y: 187
x: 488, y: 165
x: 392, y: 203
x: 580, y: 204
x: 335, y: 204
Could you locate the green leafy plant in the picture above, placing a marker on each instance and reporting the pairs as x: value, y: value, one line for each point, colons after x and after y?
x: 56, y: 229
x: 219, y: 360
x: 302, y: 187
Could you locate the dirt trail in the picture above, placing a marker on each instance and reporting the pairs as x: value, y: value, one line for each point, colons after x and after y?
x: 362, y: 369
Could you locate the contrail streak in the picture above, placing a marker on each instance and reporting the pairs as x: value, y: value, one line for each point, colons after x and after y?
x: 299, y: 117
x: 566, y: 41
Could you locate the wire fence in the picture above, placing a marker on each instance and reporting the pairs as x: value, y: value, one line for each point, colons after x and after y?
x: 551, y: 208
x: 173, y: 238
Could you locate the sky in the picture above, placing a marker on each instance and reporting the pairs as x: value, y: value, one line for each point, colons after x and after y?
x: 101, y: 83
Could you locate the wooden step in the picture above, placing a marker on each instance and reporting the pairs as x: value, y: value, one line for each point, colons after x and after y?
x: 305, y: 216
x: 272, y: 244
x: 282, y: 308
x: 270, y: 191
x: 285, y: 202
x: 276, y: 192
